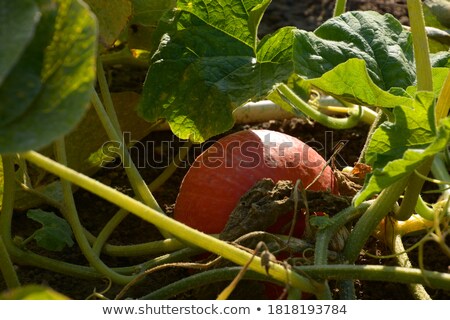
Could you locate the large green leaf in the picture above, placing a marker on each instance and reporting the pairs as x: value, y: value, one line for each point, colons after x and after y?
x: 377, y: 39
x: 209, y: 65
x: 52, y: 81
x: 18, y: 20
x: 397, y: 149
x: 55, y: 233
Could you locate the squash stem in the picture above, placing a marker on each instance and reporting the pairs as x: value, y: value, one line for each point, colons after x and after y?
x: 437, y: 280
x: 324, y: 235
x: 77, y: 228
x: 137, y: 183
x: 7, y: 267
x: 112, y: 126
x: 424, y: 83
x: 18, y: 255
x: 371, y: 218
x: 203, y: 279
x: 335, y: 123
x: 420, y: 44
x: 417, y: 290
x: 339, y: 7
x: 147, y: 248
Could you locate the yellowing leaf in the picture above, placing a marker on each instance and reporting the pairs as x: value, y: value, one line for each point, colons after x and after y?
x: 113, y: 16
x: 32, y: 292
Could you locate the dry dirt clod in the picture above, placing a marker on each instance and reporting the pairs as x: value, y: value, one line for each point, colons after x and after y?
x: 266, y: 201
x: 259, y: 208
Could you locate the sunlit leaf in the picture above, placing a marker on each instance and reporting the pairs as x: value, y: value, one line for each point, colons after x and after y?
x: 350, y: 80
x: 379, y: 40
x: 397, y: 149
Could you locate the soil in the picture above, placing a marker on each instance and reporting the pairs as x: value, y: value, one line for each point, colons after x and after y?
x: 95, y: 212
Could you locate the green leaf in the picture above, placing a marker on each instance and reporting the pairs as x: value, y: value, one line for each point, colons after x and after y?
x: 52, y: 81
x: 377, y: 39
x: 211, y: 64
x: 113, y: 16
x: 413, y: 129
x: 431, y: 20
x: 437, y: 12
x: 351, y: 81
x: 240, y: 19
x: 18, y: 20
x: 55, y: 233
x: 32, y: 292
x: 397, y: 149
x: 210, y: 61
x: 440, y: 59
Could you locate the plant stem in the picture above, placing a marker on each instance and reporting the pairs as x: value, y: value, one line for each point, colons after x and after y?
x: 373, y: 127
x: 143, y: 249
x: 339, y: 7
x: 437, y: 280
x: 78, y: 231
x: 106, y: 96
x: 417, y: 290
x: 420, y: 44
x: 26, y: 257
x: 324, y: 236
x: 202, y: 279
x: 424, y: 83
x: 368, y: 115
x: 178, y: 229
x: 316, y: 115
x: 412, y: 192
x: 107, y: 230
x: 138, y: 184
x: 371, y: 218
x: 9, y: 188
x: 423, y: 210
x: 7, y: 267
x: 443, y: 105
x: 149, y: 248
x: 180, y: 255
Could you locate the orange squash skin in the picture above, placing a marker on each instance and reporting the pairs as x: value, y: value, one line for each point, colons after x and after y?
x: 231, y: 166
